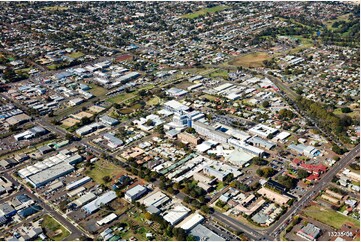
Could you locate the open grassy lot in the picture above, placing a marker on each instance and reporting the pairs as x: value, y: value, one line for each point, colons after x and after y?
x: 24, y: 70
x: 101, y: 169
x: 205, y: 11
x: 97, y: 90
x: 122, y: 97
x: 55, y: 8
x: 339, y: 18
x: 153, y: 101
x: 219, y: 73
x: 53, y: 228
x: 304, y: 43
x: 353, y: 114
x: 52, y: 67
x: 209, y: 97
x: 184, y: 85
x: 76, y: 55
x: 251, y: 60
x: 329, y: 217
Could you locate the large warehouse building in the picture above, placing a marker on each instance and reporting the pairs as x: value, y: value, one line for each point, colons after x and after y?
x: 41, y: 178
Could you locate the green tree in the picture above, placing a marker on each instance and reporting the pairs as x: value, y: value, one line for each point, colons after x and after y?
x: 106, y: 179
x: 302, y: 173
x: 265, y: 104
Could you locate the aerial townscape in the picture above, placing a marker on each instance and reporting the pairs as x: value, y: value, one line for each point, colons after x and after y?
x: 180, y: 121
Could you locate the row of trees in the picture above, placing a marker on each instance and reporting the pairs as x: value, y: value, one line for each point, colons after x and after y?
x: 327, y: 120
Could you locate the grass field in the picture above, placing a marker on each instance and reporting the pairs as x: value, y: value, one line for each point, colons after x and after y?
x: 209, y: 97
x: 205, y: 11
x: 76, y: 55
x: 121, y: 97
x: 184, y: 85
x: 353, y: 114
x: 329, y: 216
x: 25, y: 70
x: 304, y: 43
x: 103, y: 168
x: 219, y: 73
x: 153, y: 101
x: 51, y: 225
x: 52, y: 67
x: 55, y: 8
x: 97, y: 90
x: 251, y: 60
x: 339, y: 18
x: 220, y: 185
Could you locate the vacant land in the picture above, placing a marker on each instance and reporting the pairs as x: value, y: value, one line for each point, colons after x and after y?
x: 54, y: 230
x: 101, y: 169
x: 76, y: 55
x: 97, y: 90
x: 55, y: 8
x: 219, y: 73
x: 329, y: 216
x: 251, y: 60
x: 121, y: 97
x: 205, y: 11
x: 209, y: 97
x: 353, y: 114
x: 184, y: 85
x: 155, y: 100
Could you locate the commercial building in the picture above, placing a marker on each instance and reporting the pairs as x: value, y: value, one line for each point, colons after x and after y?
x: 128, y: 77
x: 76, y: 192
x: 191, y: 221
x: 246, y: 147
x: 259, y: 142
x: 263, y: 131
x: 211, y: 132
x: 156, y: 199
x: 176, y: 92
x: 104, y: 199
x: 43, y: 177
x: 107, y: 219
x: 87, y: 197
x: 108, y: 120
x: 89, y: 128
x: 189, y: 138
x: 34, y: 132
x: 308, y: 151
x: 18, y: 119
x: 175, y: 106
x: 114, y: 142
x: 176, y: 214
x: 78, y: 183
x: 220, y: 175
x: 135, y: 193
x: 274, y: 196
x: 309, y: 232
x: 202, y: 233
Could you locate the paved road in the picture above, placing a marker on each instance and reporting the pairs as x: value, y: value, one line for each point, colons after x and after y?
x: 236, y: 225
x: 307, y: 197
